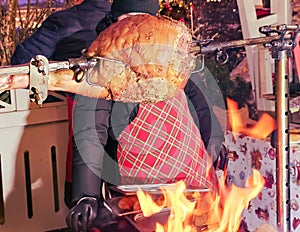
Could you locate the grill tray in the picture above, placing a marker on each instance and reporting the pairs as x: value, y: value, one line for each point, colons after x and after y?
x: 136, y: 218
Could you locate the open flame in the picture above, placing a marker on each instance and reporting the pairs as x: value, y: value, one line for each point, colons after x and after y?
x: 181, y: 208
x: 262, y: 129
x: 220, y: 212
x: 211, y: 212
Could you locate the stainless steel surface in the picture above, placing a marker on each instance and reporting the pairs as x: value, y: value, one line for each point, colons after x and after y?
x: 154, y: 188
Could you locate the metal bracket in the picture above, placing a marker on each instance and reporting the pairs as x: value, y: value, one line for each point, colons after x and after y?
x: 39, y: 76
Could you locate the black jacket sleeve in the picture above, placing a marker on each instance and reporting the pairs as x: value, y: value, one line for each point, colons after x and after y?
x: 200, y: 107
x: 90, y: 122
x: 64, y: 33
x: 44, y: 40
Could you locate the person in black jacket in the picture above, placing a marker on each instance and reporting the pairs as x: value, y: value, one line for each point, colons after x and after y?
x: 64, y: 34
x: 99, y: 123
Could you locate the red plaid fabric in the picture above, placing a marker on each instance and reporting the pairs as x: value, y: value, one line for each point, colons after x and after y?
x: 163, y: 145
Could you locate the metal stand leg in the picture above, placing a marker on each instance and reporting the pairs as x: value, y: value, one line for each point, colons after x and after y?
x: 283, y: 151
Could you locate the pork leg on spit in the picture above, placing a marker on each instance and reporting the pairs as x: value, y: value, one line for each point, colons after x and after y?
x: 141, y: 58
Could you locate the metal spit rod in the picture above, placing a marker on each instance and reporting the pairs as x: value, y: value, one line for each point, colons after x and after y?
x: 215, y: 46
x: 38, y: 69
x: 53, y: 66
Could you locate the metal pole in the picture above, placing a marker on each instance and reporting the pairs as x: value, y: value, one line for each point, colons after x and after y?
x: 282, y: 161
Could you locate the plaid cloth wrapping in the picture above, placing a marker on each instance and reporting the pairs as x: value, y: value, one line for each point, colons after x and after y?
x: 163, y: 145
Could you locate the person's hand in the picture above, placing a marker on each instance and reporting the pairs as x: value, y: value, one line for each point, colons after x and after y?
x: 81, y: 216
x: 219, y: 155
x: 222, y: 161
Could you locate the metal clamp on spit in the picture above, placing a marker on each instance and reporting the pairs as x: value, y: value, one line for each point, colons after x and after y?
x: 287, y: 40
x: 38, y: 87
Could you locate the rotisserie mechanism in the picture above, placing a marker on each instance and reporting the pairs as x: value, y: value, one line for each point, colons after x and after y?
x: 140, y: 58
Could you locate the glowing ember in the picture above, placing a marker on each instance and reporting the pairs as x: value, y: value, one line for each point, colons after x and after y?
x: 264, y: 127
x: 211, y: 212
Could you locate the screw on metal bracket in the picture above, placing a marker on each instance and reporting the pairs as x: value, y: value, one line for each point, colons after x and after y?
x: 36, y: 96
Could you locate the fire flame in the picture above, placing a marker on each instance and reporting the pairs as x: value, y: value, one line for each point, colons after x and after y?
x: 233, y: 200
x: 262, y: 129
x: 221, y: 212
